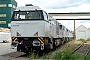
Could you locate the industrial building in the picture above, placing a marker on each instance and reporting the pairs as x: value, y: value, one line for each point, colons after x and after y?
x: 6, y: 9
x: 89, y: 32
x: 82, y: 32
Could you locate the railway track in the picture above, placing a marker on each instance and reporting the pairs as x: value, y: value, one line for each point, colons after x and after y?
x: 14, y: 55
x: 83, y: 49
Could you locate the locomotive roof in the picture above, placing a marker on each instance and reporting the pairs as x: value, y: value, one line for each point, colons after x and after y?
x: 27, y: 8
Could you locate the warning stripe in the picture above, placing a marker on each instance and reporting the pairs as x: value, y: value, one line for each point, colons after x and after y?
x: 14, y: 39
x: 40, y: 40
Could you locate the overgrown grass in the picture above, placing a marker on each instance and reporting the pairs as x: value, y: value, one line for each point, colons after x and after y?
x: 88, y: 39
x: 57, y: 55
x: 73, y: 39
x: 45, y: 56
x: 87, y: 57
x: 69, y: 48
x: 66, y: 54
x: 33, y: 55
x: 83, y: 40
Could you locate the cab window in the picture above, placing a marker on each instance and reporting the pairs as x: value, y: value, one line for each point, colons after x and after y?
x: 45, y: 16
x: 27, y: 15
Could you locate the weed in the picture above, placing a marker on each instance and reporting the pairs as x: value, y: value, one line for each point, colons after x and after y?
x: 33, y: 55
x: 87, y: 57
x: 65, y: 54
x: 45, y: 56
x: 83, y: 40
x: 88, y: 39
x: 57, y: 55
x: 69, y: 48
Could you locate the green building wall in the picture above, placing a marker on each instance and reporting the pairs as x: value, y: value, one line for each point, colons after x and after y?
x: 6, y: 9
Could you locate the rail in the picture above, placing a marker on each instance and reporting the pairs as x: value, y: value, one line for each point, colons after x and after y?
x: 82, y: 49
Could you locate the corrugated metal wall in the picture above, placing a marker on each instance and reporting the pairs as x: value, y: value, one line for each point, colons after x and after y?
x: 5, y: 37
x: 6, y: 9
x: 82, y: 32
x: 89, y: 33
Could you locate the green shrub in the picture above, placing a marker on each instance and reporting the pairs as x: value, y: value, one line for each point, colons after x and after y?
x: 88, y: 39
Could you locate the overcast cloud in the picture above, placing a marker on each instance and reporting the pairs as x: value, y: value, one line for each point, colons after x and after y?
x: 62, y: 6
x: 69, y: 23
x: 58, y: 6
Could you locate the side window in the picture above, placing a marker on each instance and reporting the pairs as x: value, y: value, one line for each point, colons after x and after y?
x: 45, y: 15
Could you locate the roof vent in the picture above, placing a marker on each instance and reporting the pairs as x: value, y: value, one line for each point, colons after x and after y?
x: 29, y: 5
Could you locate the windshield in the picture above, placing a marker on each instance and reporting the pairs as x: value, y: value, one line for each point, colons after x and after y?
x: 27, y: 15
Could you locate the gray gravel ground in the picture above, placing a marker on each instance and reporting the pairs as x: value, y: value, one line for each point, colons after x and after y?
x: 6, y: 58
x: 4, y: 49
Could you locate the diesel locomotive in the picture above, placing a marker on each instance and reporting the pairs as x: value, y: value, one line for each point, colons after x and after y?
x: 34, y: 29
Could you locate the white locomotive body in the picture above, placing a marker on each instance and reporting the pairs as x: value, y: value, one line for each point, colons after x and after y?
x: 33, y: 29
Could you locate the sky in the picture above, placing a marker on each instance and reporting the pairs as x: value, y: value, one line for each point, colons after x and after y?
x: 62, y: 6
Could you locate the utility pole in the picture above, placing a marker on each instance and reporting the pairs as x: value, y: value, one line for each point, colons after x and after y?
x: 74, y: 31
